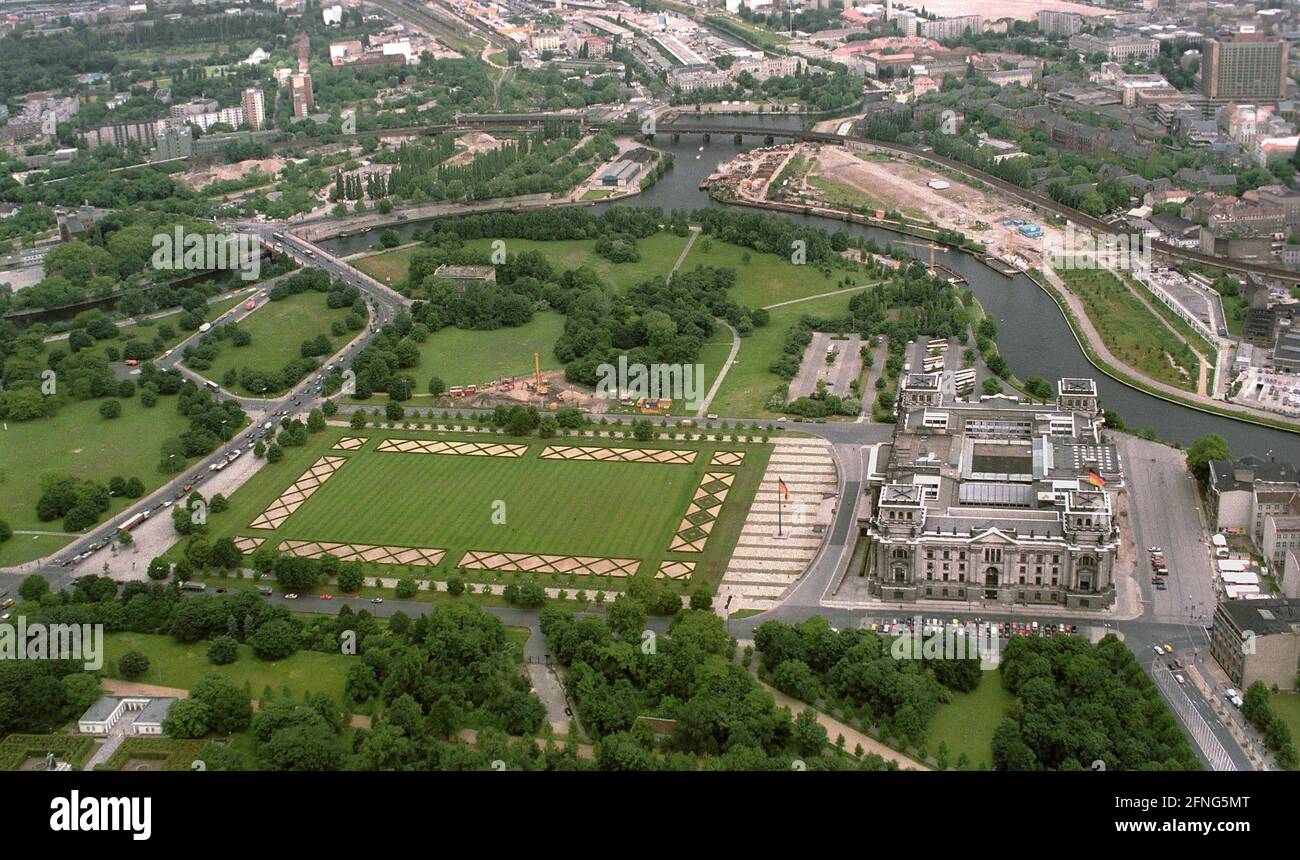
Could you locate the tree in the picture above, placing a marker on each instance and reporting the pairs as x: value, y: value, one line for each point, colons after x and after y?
x: 6, y: 531
x: 795, y: 678
x: 232, y: 708
x: 110, y: 409
x: 437, y: 387
x: 223, y: 650
x: 275, y: 640
x: 198, y: 551
x: 133, y: 665
x: 1202, y: 451
x: 315, y: 421
x: 82, y: 690
x: 350, y: 578
x: 406, y: 587
x: 33, y: 587
x: 225, y: 554
x: 187, y: 718
x: 808, y: 735
x: 627, y: 618
x: 358, y: 420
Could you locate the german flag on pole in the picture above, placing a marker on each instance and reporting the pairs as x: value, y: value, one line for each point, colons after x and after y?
x: 785, y: 491
x: 1096, y: 480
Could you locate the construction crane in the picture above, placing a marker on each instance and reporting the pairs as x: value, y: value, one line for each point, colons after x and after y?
x: 537, y: 374
x: 931, y: 245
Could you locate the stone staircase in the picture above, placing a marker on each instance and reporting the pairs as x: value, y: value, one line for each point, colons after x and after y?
x: 763, y: 566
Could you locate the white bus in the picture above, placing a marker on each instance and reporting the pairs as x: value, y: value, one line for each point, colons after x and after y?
x: 131, y: 522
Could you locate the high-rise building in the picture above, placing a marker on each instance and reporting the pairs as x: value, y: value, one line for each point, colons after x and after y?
x: 300, y: 93
x: 1057, y: 23
x: 1244, y: 66
x: 254, y: 107
x: 951, y: 28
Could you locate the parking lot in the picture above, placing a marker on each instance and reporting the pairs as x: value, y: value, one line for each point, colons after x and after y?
x: 1268, y: 389
x: 838, y: 374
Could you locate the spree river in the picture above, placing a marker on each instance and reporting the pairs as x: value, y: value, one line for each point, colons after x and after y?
x: 1033, y: 335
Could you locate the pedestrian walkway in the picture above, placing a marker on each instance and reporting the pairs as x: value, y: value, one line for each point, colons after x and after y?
x: 852, y: 737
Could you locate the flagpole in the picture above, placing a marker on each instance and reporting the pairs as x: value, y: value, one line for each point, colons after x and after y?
x: 779, y: 494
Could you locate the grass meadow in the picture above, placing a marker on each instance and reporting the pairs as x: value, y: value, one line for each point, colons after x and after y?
x: 76, y: 441
x: 617, y: 510
x: 278, y: 330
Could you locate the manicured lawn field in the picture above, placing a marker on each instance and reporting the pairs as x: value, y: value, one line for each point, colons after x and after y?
x: 278, y: 330
x: 462, y: 357
x: 77, y: 442
x: 766, y: 279
x: 613, y: 509
x: 602, y: 509
x: 966, y: 724
x: 750, y: 383
x: 172, y: 664
x: 658, y: 254
x: 1131, y: 332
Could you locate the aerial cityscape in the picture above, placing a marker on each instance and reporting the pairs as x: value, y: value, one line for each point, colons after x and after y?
x: 662, y: 385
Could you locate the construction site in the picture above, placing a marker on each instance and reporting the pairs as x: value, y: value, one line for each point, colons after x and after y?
x: 885, y: 186
x: 549, y: 391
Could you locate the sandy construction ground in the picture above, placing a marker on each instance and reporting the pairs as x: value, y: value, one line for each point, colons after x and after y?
x: 198, y: 180
x: 902, y: 186
x: 470, y: 145
x: 1021, y: 10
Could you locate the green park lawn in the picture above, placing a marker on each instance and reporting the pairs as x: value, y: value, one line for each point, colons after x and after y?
x: 461, y: 357
x: 618, y: 510
x: 77, y: 441
x: 658, y: 254
x: 388, y: 267
x: 145, y: 329
x: 766, y: 279
x: 173, y: 664
x: 1130, y: 331
x: 750, y: 382
x: 966, y: 724
x: 278, y: 330
x: 1287, y: 706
